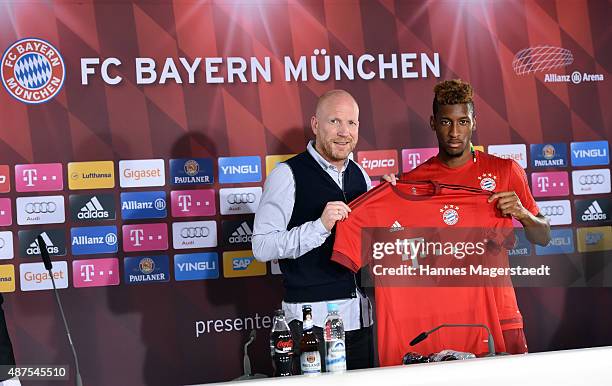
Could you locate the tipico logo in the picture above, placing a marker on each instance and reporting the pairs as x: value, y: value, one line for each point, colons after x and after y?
x: 32, y: 70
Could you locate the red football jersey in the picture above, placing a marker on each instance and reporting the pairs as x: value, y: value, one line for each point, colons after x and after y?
x: 494, y: 174
x: 404, y: 312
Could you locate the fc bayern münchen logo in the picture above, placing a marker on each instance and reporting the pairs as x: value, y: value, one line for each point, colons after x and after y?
x: 32, y: 70
x: 450, y: 214
x: 487, y: 182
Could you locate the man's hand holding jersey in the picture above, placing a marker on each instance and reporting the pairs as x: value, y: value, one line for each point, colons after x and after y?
x: 334, y: 211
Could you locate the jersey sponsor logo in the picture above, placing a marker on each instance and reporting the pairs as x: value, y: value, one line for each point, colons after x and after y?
x: 143, y: 205
x: 558, y: 212
x: 55, y: 239
x: 142, y: 173
x: 521, y: 246
x: 34, y: 276
x: 6, y: 245
x: 594, y: 239
x: 487, y: 181
x: 191, y: 203
x: 40, y: 210
x: 590, y: 153
x: 92, y: 207
x: 593, y: 210
x: 561, y: 242
x: 239, y: 169
x: 411, y: 158
x: 5, y: 180
x: 191, y: 171
x: 145, y: 237
x: 196, y: 266
x: 516, y: 152
x: 549, y: 155
x: 593, y: 181
x: 39, y: 177
x: 194, y: 234
x: 239, y: 200
x: 450, y: 214
x: 146, y: 269
x: 91, y: 175
x: 242, y: 264
x: 32, y: 70
x: 237, y: 233
x: 378, y: 162
x: 6, y: 213
x: 396, y: 227
x: 95, y: 272
x: 550, y: 184
x: 7, y: 278
x: 94, y: 240
x: 273, y: 160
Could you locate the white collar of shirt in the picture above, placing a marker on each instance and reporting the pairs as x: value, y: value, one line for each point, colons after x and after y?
x: 322, y: 161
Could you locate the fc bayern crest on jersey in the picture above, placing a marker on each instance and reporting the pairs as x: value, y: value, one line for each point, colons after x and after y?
x: 32, y: 70
x: 487, y: 181
x: 450, y: 214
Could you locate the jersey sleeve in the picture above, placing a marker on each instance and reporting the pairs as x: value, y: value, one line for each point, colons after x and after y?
x: 347, y: 244
x: 518, y: 183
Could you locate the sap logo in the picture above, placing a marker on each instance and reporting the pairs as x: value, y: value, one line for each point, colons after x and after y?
x: 590, y: 153
x: 242, y: 263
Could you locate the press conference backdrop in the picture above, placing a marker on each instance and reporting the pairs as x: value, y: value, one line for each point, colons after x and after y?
x: 136, y: 138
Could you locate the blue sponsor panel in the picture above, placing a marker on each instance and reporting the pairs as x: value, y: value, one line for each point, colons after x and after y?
x: 196, y: 266
x: 561, y: 242
x: 239, y: 169
x: 143, y: 205
x: 549, y: 155
x: 522, y: 246
x: 146, y: 269
x: 590, y: 153
x: 94, y: 240
x: 191, y: 171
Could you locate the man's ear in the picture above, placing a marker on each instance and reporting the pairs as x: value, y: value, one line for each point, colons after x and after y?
x: 314, y: 124
x: 432, y: 123
x: 474, y: 124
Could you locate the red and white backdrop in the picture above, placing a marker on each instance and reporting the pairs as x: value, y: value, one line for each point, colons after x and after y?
x: 204, y: 80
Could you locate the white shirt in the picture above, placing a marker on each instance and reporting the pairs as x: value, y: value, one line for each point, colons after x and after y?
x: 272, y: 240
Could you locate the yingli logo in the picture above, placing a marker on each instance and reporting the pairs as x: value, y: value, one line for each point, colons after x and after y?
x: 378, y: 162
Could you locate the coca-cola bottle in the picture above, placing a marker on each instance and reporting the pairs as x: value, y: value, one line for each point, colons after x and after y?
x: 281, y: 346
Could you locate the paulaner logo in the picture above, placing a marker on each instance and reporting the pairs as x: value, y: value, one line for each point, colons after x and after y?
x: 33, y: 70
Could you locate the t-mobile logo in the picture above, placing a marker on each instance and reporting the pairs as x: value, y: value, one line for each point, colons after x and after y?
x: 29, y: 176
x: 414, y: 160
x: 184, y: 202
x: 87, y: 272
x: 136, y: 236
x: 543, y: 184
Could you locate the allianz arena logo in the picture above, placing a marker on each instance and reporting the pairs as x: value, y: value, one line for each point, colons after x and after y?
x: 32, y: 71
x: 546, y: 59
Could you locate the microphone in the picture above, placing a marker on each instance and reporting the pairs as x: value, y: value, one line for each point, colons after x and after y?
x: 491, y: 343
x: 44, y: 254
x: 246, y: 361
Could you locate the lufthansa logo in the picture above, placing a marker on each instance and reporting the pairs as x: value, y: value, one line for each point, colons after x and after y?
x: 194, y: 232
x: 553, y: 210
x: 591, y: 179
x: 241, y: 198
x: 41, y: 207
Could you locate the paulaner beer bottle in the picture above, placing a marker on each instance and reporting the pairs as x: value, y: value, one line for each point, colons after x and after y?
x: 310, y: 358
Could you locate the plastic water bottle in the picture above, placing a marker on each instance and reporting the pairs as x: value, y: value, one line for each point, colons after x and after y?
x: 335, y: 348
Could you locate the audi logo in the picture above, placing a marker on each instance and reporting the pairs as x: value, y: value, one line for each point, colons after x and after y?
x: 591, y: 179
x: 241, y: 198
x: 553, y: 210
x: 194, y: 232
x: 40, y: 207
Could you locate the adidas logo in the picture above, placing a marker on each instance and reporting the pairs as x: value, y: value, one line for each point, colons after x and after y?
x: 396, y: 227
x: 34, y: 248
x: 93, y: 209
x: 594, y: 213
x: 242, y: 234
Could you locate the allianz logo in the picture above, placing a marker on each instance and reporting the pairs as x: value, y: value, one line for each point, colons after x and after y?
x: 93, y: 209
x: 242, y: 234
x: 594, y: 213
x: 34, y: 248
x: 240, y: 169
x: 197, y: 266
x: 109, y: 239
